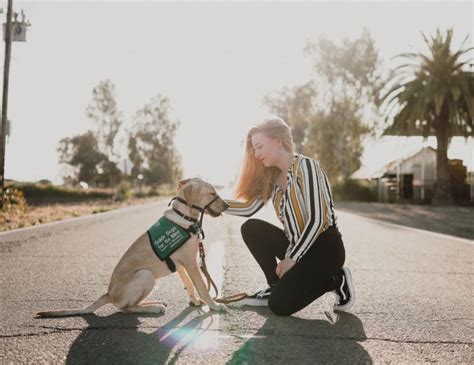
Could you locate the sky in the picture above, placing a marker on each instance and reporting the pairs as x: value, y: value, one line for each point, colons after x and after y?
x: 215, y: 61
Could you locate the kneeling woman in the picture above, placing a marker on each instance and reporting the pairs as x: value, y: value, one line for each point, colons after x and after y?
x: 310, y: 247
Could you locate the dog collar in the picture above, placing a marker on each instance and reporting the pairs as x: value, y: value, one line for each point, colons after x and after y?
x: 196, y: 222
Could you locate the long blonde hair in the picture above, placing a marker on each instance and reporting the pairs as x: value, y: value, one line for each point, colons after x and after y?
x: 256, y: 180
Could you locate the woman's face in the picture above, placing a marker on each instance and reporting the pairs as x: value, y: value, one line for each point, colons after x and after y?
x: 266, y: 149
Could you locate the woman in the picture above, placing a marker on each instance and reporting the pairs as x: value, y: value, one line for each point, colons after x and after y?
x: 310, y: 247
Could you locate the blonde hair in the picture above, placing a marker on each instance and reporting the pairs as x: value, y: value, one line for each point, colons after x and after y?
x: 256, y: 180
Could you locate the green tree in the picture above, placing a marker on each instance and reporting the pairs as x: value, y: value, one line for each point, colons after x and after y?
x: 92, y: 156
x: 151, y: 145
x: 297, y: 107
x: 335, y: 137
x: 332, y: 114
x: 350, y: 71
x: 433, y: 95
x: 81, y: 152
x: 103, y: 110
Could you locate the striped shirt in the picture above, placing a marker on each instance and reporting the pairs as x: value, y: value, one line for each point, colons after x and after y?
x: 305, y: 209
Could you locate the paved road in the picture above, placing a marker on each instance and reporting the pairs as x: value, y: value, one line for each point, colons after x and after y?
x: 414, y: 291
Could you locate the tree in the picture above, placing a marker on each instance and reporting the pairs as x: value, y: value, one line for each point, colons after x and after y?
x: 81, y: 152
x: 433, y: 95
x: 297, y: 107
x: 335, y: 137
x: 330, y: 123
x: 351, y: 71
x: 151, y: 143
x: 107, y: 118
x: 92, y: 156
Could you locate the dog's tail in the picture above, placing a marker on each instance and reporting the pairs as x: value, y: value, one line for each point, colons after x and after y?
x: 103, y: 300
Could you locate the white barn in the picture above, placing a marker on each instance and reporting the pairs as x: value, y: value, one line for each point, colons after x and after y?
x: 412, y: 179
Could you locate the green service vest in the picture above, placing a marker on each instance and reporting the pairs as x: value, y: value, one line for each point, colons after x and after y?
x: 166, y: 237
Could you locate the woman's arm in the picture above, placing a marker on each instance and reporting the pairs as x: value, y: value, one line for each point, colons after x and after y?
x: 316, y: 208
x: 244, y: 209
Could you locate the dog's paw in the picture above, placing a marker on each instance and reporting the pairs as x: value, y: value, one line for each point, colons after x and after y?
x: 161, y: 308
x: 196, y: 302
x: 219, y: 307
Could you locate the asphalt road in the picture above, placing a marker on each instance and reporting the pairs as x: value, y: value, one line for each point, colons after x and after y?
x: 413, y: 288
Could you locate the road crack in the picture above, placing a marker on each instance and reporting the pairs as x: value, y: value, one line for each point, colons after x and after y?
x: 240, y: 336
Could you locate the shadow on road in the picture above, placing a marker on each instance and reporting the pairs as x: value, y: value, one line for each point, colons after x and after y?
x: 121, y: 338
x: 118, y: 339
x: 292, y: 339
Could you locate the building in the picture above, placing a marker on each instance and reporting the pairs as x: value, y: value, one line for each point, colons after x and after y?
x: 412, y: 179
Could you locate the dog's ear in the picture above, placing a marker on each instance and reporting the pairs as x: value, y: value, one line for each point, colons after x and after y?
x: 181, y: 183
x: 189, y: 193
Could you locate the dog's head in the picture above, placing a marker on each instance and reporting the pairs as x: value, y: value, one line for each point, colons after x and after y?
x: 200, y: 193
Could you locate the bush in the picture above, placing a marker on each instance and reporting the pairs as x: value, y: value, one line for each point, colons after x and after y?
x: 124, y: 191
x: 153, y: 192
x: 36, y: 194
x: 140, y: 194
x: 13, y: 199
x: 353, y: 190
x: 147, y: 191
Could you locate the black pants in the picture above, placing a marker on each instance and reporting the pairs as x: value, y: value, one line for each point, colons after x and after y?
x: 317, y: 272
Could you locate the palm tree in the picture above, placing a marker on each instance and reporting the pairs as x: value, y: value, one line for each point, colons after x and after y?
x: 433, y: 95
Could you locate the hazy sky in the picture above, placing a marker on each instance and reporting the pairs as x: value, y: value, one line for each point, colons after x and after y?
x: 215, y: 61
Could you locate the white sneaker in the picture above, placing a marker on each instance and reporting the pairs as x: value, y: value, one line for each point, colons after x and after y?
x: 260, y: 298
x: 345, y: 294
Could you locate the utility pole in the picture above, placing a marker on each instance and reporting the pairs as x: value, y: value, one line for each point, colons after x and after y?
x: 19, y: 35
x: 6, y: 72
x: 470, y: 172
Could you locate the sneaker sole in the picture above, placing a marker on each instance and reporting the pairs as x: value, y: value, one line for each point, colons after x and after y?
x: 254, y: 302
x: 350, y: 303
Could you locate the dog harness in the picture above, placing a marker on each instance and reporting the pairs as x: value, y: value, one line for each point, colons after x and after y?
x: 166, y: 236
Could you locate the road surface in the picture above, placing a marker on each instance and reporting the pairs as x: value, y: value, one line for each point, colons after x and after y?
x: 413, y: 288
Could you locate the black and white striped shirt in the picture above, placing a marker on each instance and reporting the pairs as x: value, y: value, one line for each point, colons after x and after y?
x: 305, y: 209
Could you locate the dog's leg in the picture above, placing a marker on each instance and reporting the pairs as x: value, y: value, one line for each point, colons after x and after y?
x: 145, y: 309
x: 103, y: 300
x: 153, y: 302
x: 195, y: 274
x: 135, y: 290
x: 188, y: 285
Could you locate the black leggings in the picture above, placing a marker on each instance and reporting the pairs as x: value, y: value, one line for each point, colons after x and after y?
x: 317, y: 272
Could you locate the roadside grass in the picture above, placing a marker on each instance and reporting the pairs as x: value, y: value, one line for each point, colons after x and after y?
x: 30, y: 204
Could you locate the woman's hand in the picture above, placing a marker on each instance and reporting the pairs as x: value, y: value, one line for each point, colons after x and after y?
x: 283, y: 266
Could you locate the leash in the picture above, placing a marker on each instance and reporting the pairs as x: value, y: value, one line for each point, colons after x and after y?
x: 210, y: 282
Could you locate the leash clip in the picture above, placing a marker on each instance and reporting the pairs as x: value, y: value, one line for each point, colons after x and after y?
x: 200, y: 234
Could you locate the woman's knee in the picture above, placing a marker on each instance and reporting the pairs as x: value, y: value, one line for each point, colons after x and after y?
x: 279, y: 306
x: 247, y: 228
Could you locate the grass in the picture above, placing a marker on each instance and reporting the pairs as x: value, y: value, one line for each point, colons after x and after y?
x: 35, y: 203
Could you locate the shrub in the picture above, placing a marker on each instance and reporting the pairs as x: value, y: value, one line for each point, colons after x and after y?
x: 14, y: 199
x: 36, y: 194
x: 124, y: 191
x: 353, y: 190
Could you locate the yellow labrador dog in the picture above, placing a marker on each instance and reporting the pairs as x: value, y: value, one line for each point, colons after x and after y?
x: 135, y: 274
